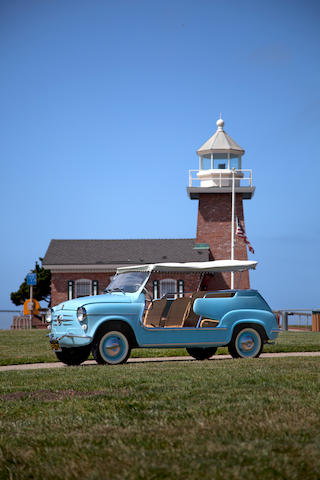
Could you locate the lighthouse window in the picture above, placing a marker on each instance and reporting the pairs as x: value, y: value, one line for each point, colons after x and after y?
x: 206, y: 163
x: 220, y: 163
x: 234, y: 163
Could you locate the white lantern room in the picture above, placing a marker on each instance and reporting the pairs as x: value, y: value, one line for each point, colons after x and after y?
x: 217, y: 157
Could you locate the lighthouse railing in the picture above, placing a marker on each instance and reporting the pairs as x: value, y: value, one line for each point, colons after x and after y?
x: 221, y: 177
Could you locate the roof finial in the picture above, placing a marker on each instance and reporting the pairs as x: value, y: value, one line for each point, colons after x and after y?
x: 220, y: 123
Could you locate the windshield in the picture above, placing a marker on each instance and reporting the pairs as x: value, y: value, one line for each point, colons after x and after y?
x: 127, y: 282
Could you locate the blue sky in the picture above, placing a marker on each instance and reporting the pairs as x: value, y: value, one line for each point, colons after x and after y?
x: 103, y: 105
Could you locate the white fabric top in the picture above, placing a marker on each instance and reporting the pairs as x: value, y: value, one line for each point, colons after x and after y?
x: 215, y: 266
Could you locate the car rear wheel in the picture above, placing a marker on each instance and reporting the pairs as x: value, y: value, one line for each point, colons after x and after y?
x: 202, y: 353
x: 246, y: 343
x: 111, y: 346
x: 74, y: 355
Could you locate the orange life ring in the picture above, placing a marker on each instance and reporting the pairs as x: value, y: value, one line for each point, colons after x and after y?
x: 27, y: 307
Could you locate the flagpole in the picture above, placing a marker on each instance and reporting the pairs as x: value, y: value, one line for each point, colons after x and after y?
x: 232, y: 225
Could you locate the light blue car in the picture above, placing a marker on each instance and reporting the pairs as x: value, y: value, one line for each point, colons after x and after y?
x: 126, y: 316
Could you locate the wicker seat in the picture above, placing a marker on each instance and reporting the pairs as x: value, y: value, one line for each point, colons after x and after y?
x: 176, y: 313
x: 191, y: 318
x: 154, y: 313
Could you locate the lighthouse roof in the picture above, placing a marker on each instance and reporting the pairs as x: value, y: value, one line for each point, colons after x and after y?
x: 220, y: 142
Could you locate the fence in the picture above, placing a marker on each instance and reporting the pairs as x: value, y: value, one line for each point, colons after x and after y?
x: 302, y: 319
x: 20, y: 321
x: 243, y: 178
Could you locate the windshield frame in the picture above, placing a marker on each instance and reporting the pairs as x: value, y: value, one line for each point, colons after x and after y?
x: 120, y: 288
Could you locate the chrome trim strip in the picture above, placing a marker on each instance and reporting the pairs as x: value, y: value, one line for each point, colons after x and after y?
x: 70, y: 335
x: 184, y: 328
x: 57, y: 324
x: 180, y: 345
x: 117, y: 314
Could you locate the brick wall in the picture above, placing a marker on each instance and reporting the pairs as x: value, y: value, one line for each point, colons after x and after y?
x: 214, y: 228
x: 191, y: 280
x: 59, y: 282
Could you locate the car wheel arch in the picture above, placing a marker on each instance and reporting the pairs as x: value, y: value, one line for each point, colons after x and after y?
x: 249, y: 323
x: 115, y: 324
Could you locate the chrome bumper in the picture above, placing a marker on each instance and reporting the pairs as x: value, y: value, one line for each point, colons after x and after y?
x: 70, y: 339
x: 71, y: 335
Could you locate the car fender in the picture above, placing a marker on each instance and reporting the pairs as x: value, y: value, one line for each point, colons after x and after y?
x: 263, y: 318
x: 115, y: 318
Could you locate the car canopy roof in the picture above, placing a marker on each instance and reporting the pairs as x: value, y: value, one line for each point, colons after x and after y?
x: 214, y: 266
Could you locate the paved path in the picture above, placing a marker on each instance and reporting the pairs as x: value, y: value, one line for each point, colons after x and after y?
x: 35, y: 366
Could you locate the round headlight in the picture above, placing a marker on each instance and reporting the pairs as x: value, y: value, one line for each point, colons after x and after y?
x: 81, y: 314
x: 49, y: 316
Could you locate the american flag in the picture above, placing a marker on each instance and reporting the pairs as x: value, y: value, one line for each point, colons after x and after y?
x: 242, y: 234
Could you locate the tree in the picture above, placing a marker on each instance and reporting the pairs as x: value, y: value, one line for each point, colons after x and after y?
x: 41, y: 291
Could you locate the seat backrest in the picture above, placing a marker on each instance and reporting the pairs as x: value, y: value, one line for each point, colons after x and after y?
x: 154, y: 313
x: 176, y: 313
x: 191, y: 318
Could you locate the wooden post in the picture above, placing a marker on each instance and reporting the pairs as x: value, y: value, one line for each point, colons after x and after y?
x: 316, y: 321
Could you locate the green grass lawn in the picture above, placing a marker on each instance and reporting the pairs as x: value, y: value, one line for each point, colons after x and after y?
x: 32, y: 346
x: 227, y: 420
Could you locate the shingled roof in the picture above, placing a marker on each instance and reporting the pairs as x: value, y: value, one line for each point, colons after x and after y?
x: 109, y: 254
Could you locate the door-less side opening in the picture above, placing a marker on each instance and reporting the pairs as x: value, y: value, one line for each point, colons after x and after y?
x: 179, y: 313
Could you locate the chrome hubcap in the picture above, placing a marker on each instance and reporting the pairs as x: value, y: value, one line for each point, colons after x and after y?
x: 113, y: 346
x: 246, y: 343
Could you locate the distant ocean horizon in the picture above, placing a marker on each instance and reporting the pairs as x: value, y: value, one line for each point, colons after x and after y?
x: 6, y: 319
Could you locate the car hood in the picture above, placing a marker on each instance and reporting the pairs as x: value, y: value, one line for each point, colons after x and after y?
x: 82, y: 301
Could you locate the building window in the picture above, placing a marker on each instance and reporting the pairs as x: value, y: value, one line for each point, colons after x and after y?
x: 83, y: 287
x: 235, y: 163
x: 220, y: 162
x: 168, y: 287
x: 206, y: 163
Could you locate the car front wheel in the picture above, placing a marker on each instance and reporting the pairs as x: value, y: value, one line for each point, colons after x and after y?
x: 246, y: 343
x: 202, y: 353
x: 111, y: 346
x: 74, y: 355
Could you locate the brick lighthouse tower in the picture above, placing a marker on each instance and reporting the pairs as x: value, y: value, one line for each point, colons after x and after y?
x: 219, y: 179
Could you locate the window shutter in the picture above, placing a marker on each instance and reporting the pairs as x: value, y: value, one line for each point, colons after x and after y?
x: 70, y: 289
x: 155, y: 289
x: 95, y: 287
x: 180, y: 288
